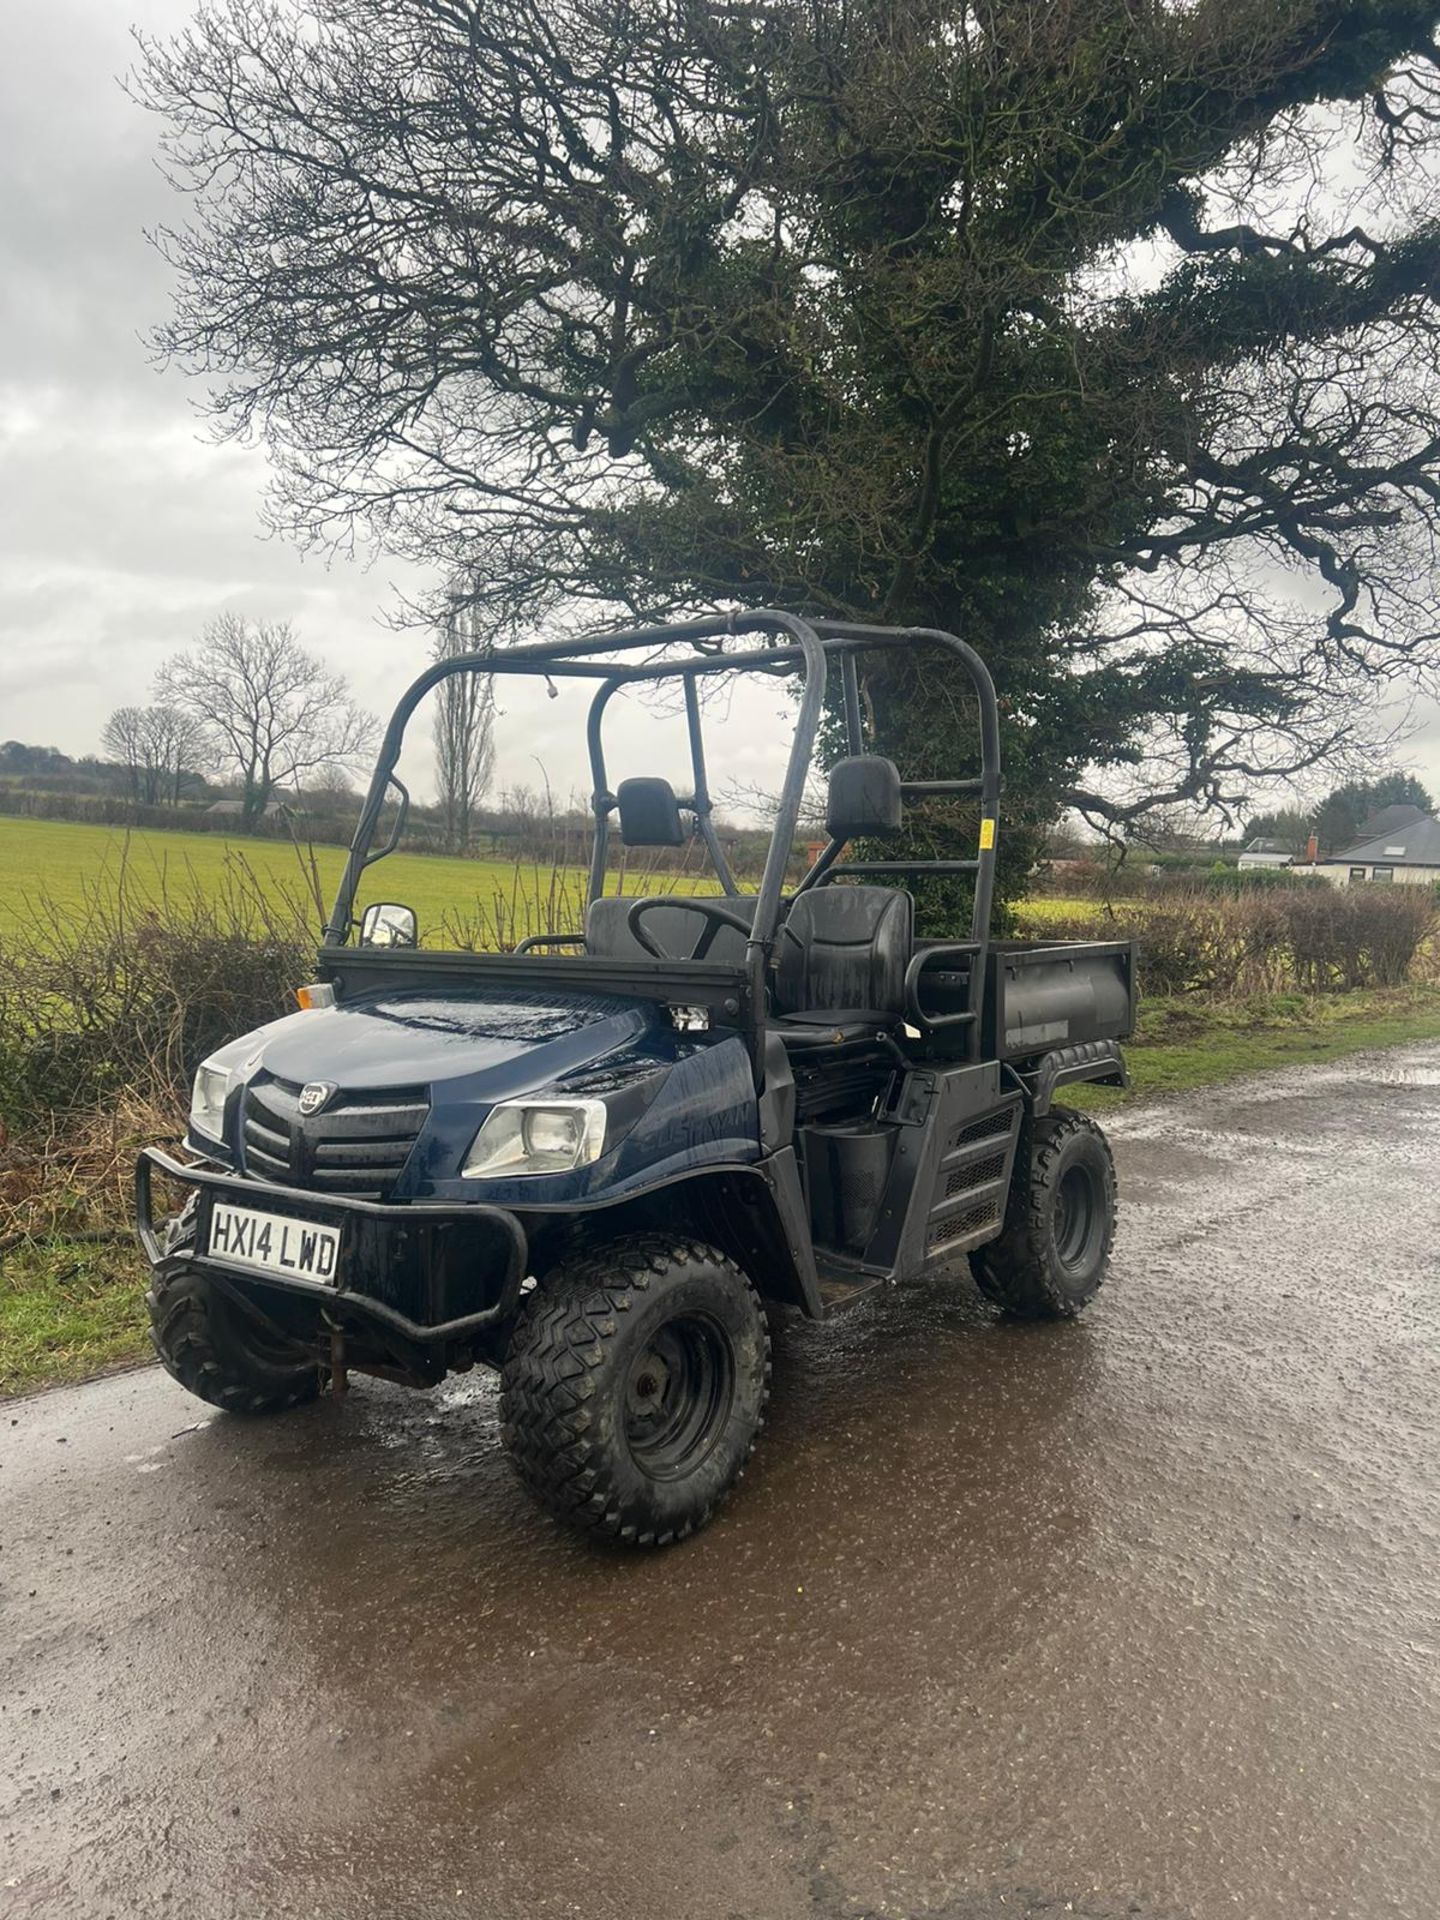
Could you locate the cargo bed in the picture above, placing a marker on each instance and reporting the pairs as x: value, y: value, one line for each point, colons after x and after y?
x: 1041, y: 994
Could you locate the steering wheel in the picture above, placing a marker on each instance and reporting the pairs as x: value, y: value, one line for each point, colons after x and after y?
x: 710, y: 911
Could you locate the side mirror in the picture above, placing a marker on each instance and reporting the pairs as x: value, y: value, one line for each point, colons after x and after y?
x: 386, y: 925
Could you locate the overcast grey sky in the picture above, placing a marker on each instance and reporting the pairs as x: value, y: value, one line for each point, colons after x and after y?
x: 122, y: 529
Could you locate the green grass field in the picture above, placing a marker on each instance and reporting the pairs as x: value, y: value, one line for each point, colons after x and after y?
x: 66, y: 866
x: 1184, y: 1043
x: 54, y: 862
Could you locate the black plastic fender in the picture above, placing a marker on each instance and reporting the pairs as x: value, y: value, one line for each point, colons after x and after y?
x: 1100, y: 1061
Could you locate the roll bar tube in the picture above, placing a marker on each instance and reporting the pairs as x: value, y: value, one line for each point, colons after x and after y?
x: 804, y: 647
x: 704, y: 807
x: 987, y: 786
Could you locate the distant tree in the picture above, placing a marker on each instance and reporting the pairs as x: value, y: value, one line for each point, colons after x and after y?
x: 271, y: 712
x: 1064, y: 841
x: 159, y: 747
x: 178, y: 748
x: 464, y: 727
x: 16, y: 757
x: 1339, y: 817
x: 122, y: 742
x: 332, y: 787
x: 1175, y: 829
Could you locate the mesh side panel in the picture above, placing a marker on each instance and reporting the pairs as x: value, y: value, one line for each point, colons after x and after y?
x: 959, y: 1226
x: 992, y: 1127
x: 974, y: 1175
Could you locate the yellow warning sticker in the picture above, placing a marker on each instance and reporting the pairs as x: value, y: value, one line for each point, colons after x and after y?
x: 987, y: 835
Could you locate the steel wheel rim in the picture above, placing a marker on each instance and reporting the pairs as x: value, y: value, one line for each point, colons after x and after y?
x: 678, y: 1396
x: 1079, y: 1218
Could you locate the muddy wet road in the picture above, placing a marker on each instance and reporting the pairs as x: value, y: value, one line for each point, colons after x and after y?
x: 1139, y: 1616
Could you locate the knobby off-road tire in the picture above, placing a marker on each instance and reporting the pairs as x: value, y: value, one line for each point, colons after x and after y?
x: 214, y: 1349
x: 635, y: 1388
x: 1054, y: 1248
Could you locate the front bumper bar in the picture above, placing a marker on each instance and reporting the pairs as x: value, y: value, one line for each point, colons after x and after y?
x: 405, y: 1268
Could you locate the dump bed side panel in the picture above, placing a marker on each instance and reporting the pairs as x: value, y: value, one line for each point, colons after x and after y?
x: 1043, y: 994
x: 1058, y: 994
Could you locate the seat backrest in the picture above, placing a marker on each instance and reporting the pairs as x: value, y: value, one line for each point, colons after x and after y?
x: 672, y: 927
x: 844, y: 949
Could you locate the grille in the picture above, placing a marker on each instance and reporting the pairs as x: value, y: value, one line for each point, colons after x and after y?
x: 959, y: 1226
x: 975, y: 1174
x: 357, y: 1145
x: 989, y: 1128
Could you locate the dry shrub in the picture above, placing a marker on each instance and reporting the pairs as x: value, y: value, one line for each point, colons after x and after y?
x: 75, y: 1177
x: 1342, y: 938
x: 1212, y: 943
x: 126, y: 998
x: 536, y: 900
x: 104, y: 1016
x: 1315, y: 937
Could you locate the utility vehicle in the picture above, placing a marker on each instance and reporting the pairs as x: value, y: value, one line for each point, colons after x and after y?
x: 596, y: 1161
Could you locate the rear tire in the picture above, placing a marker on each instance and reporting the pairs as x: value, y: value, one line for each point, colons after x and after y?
x: 635, y: 1388
x: 1053, y: 1251
x: 215, y: 1351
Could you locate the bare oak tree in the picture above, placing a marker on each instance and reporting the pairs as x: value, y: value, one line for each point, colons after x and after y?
x: 1106, y: 334
x: 159, y: 747
x: 122, y: 740
x: 272, y: 712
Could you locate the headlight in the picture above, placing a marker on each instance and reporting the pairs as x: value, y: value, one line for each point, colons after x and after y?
x: 207, y: 1101
x: 552, y: 1136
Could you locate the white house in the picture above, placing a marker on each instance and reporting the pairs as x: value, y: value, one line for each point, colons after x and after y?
x: 1406, y: 852
x: 1265, y: 853
x: 237, y: 807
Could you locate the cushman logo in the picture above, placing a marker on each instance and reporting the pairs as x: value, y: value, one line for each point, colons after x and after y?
x: 314, y: 1094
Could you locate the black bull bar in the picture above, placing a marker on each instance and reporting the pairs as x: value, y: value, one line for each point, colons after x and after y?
x: 405, y: 1268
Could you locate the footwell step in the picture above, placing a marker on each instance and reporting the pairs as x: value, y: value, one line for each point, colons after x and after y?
x: 840, y: 1290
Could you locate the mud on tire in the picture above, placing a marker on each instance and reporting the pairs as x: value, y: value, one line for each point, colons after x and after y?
x: 635, y: 1388
x: 1054, y: 1248
x: 215, y: 1351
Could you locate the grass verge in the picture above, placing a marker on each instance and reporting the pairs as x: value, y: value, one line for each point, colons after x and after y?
x: 70, y: 1310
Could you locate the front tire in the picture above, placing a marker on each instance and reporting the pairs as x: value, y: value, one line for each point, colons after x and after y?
x: 214, y: 1349
x: 635, y: 1388
x: 1054, y: 1249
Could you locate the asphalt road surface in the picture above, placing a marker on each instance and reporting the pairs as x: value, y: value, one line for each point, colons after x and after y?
x: 1136, y: 1616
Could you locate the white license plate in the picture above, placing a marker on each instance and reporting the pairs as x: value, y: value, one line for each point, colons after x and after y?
x: 267, y: 1243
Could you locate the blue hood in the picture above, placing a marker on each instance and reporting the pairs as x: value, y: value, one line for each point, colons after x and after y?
x: 425, y: 1038
x: 676, y: 1101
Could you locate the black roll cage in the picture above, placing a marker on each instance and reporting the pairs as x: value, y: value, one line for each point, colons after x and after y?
x: 791, y: 644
